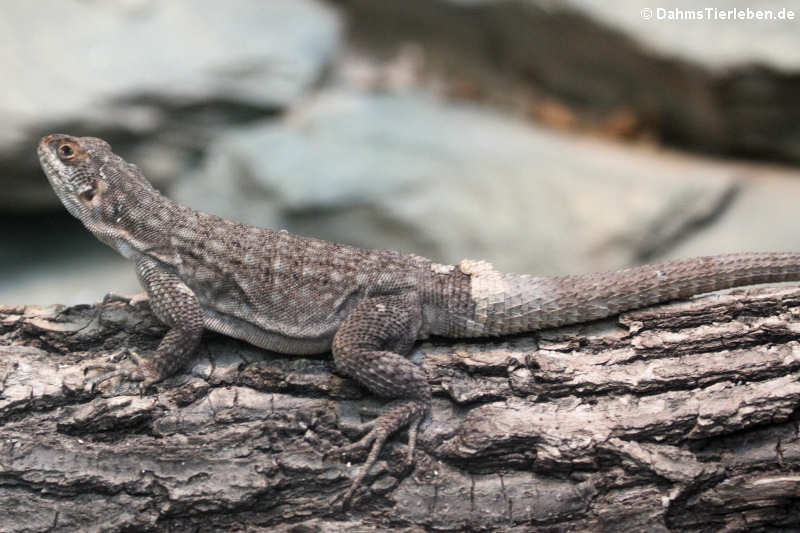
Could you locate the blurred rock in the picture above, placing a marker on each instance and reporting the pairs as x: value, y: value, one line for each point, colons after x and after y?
x: 372, y: 161
x: 130, y: 69
x: 702, y: 34
x: 763, y: 217
x: 720, y: 86
x: 411, y: 172
x: 51, y: 257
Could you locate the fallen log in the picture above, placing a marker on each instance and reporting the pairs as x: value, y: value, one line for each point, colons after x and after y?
x: 680, y: 417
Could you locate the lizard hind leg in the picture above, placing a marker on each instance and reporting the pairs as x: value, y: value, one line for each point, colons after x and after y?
x: 367, y: 348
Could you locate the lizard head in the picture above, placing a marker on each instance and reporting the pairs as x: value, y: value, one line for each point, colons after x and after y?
x: 94, y: 184
x: 77, y: 168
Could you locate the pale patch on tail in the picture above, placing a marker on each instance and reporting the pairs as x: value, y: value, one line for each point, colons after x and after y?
x: 487, y: 289
x: 504, y: 303
x: 513, y: 303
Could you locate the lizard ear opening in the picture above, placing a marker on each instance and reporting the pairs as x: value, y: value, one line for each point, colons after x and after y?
x: 91, y: 196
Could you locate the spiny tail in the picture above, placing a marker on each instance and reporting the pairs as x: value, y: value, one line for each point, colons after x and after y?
x: 511, y: 303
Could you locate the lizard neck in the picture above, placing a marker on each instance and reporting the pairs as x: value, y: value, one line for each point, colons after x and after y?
x: 136, y: 222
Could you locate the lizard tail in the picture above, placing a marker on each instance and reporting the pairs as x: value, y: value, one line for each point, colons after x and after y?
x: 512, y: 303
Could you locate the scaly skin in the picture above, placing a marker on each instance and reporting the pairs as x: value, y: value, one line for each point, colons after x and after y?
x: 298, y: 295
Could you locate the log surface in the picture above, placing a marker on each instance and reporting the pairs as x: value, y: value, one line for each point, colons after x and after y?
x: 681, y: 417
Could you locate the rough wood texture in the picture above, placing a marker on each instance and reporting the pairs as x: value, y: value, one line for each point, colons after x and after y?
x: 675, y: 418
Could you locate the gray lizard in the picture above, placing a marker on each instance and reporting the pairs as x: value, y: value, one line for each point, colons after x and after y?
x: 298, y: 295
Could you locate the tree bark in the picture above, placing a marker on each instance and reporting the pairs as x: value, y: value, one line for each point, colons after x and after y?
x: 679, y: 417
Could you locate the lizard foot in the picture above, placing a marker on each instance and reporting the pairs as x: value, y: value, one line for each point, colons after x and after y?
x: 406, y: 413
x: 124, y: 298
x: 124, y: 364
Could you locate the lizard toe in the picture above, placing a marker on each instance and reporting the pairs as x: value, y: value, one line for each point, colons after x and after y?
x: 119, y: 375
x: 402, y: 413
x: 124, y: 365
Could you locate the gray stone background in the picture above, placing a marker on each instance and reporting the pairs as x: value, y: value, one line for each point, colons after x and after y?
x: 548, y: 137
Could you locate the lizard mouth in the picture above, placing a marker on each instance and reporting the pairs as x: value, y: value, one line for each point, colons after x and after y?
x: 53, y: 171
x: 44, y: 148
x: 47, y: 139
x: 49, y: 160
x: 46, y: 160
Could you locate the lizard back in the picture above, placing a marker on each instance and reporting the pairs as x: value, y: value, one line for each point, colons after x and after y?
x: 288, y: 293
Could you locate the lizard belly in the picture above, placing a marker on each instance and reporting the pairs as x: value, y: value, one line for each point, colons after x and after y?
x: 269, y: 340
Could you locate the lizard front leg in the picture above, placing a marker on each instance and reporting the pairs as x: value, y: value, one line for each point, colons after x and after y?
x: 175, y: 305
x: 368, y: 348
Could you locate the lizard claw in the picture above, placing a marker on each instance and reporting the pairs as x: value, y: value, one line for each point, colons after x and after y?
x: 382, y: 428
x: 115, y: 297
x: 123, y: 298
x: 127, y: 375
x: 349, y: 449
x: 114, y: 369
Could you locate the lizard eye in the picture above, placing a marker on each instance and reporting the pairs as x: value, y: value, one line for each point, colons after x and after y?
x: 66, y: 152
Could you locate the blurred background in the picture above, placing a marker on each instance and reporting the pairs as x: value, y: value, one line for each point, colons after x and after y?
x: 548, y: 137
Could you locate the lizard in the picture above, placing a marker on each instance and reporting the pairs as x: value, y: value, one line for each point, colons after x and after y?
x: 300, y: 295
